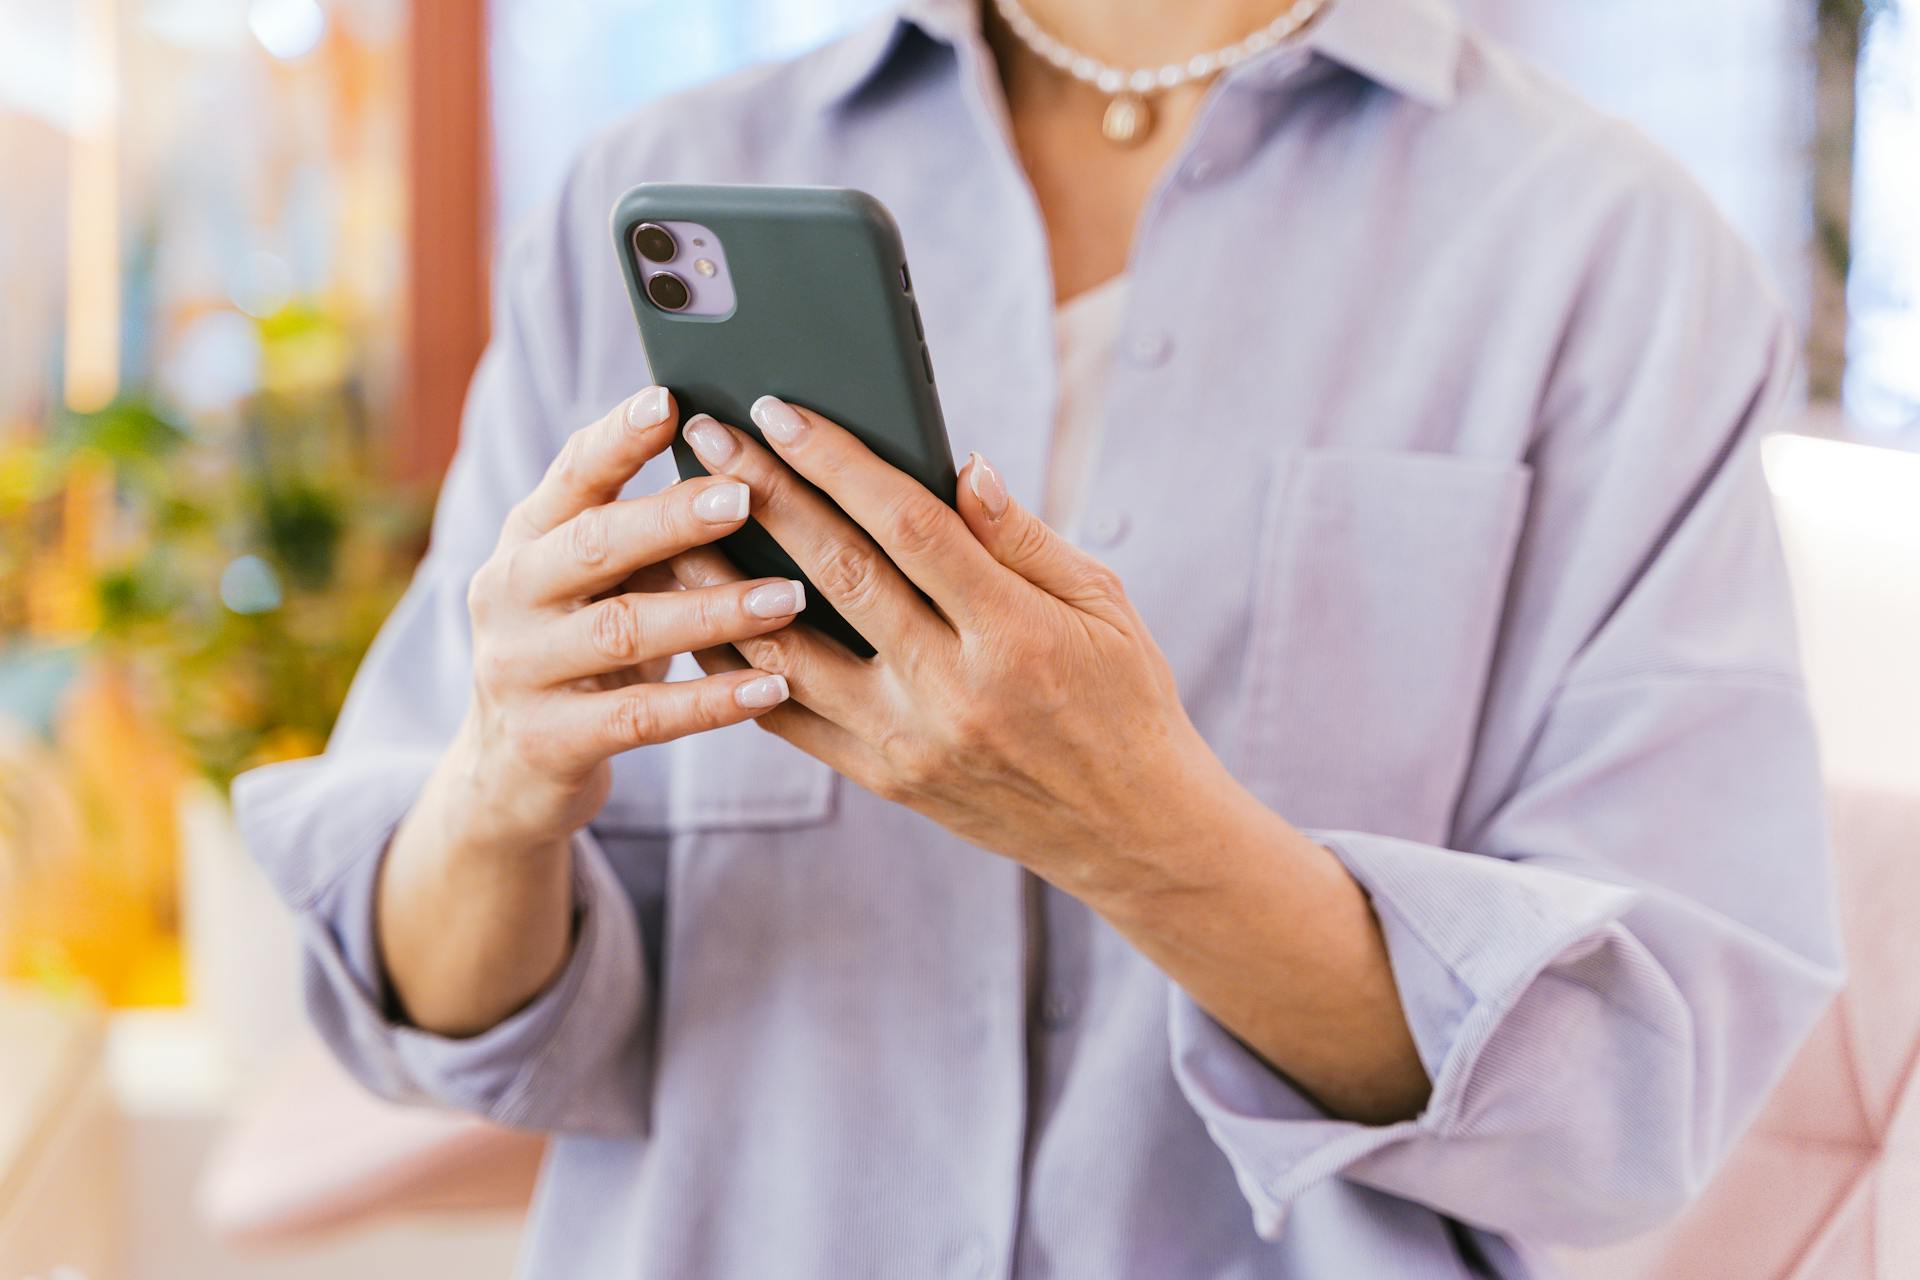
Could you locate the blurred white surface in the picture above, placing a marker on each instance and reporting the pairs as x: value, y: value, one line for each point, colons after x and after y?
x: 1850, y: 519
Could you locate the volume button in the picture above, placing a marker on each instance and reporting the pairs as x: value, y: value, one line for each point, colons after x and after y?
x: 926, y: 362
x: 918, y: 332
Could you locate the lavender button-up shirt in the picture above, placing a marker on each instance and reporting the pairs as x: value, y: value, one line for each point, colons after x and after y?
x: 1429, y: 460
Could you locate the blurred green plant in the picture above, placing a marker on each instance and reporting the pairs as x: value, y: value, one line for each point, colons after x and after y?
x: 238, y: 568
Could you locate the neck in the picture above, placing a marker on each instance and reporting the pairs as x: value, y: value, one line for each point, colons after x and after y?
x: 1143, y: 33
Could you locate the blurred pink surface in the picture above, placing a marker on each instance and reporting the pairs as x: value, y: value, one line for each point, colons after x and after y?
x: 1827, y: 1185
x: 314, y: 1150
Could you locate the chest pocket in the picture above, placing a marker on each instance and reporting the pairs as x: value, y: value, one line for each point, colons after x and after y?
x: 740, y: 777
x: 1380, y: 588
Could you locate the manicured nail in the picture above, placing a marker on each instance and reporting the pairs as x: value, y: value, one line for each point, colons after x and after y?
x: 988, y: 487
x: 767, y: 691
x: 648, y: 409
x: 722, y: 504
x: 777, y: 600
x: 712, y: 442
x: 780, y: 421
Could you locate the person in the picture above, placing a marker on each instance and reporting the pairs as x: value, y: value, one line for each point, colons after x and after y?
x: 1336, y: 798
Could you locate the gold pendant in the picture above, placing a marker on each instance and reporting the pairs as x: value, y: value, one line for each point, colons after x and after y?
x: 1128, y: 120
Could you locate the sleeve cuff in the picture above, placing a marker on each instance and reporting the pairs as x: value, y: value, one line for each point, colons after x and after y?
x: 1437, y: 909
x: 574, y: 1059
x: 517, y: 1072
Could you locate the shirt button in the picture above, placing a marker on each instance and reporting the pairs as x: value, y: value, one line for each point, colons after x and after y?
x: 1150, y: 349
x: 1201, y: 168
x: 1106, y: 529
x: 973, y: 1258
x: 1056, y: 1011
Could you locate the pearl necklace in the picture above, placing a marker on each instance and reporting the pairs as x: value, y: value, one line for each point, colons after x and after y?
x: 1129, y: 118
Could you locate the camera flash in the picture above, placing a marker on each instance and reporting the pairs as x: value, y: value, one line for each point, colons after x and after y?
x: 705, y: 267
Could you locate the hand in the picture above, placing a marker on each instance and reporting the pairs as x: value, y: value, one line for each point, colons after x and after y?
x: 576, y: 617
x: 1025, y: 708
x: 1022, y: 704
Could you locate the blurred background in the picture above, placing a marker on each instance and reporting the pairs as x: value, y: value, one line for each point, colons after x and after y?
x: 244, y: 250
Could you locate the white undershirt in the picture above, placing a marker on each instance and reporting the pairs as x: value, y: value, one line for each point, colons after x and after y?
x: 1085, y: 328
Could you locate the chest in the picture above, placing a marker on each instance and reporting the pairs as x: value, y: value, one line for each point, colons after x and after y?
x: 1309, y: 471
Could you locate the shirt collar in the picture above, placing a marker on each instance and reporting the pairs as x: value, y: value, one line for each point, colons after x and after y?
x: 1409, y: 46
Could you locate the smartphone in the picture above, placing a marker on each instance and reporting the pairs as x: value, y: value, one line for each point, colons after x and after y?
x: 797, y: 292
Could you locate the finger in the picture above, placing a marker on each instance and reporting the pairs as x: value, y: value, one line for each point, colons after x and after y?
x: 839, y: 559
x: 597, y: 725
x: 627, y: 630
x: 596, y: 462
x: 820, y: 671
x: 1025, y: 543
x: 917, y: 530
x: 604, y: 545
x: 813, y: 733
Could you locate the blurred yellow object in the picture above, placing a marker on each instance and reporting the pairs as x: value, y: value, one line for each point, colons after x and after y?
x: 89, y: 839
x: 286, y: 744
x: 62, y: 602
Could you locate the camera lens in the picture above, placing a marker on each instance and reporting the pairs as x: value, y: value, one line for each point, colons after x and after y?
x: 667, y: 291
x: 655, y: 243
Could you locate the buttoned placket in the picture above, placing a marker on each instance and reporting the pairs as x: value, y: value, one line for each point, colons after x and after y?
x: 1219, y: 142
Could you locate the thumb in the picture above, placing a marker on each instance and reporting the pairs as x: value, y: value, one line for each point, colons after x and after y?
x: 1025, y: 543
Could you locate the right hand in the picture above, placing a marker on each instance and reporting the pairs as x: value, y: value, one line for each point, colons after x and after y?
x: 576, y: 617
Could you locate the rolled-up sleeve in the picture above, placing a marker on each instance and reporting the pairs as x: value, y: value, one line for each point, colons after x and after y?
x: 574, y: 1058
x: 1630, y: 930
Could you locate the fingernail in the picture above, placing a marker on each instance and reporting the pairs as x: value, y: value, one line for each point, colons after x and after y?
x: 988, y: 487
x: 780, y: 421
x: 712, y: 442
x: 648, y: 409
x: 722, y: 504
x: 777, y: 600
x: 767, y: 691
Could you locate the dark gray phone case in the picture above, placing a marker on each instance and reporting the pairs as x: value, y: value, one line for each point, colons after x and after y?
x: 824, y: 318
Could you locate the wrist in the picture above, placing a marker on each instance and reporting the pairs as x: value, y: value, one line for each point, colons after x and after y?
x: 479, y: 815
x: 1165, y: 841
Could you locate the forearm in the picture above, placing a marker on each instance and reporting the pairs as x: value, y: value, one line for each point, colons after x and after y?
x: 1272, y: 937
x: 470, y: 928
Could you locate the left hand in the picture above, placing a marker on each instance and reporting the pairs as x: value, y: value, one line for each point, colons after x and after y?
x: 1022, y: 705
x: 1020, y: 702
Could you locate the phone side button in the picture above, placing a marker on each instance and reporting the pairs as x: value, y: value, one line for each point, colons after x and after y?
x: 926, y: 362
x: 918, y: 332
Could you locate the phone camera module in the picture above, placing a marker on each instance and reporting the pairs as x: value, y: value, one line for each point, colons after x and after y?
x: 655, y: 242
x: 668, y: 291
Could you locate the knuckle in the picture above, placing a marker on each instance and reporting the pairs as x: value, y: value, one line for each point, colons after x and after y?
x: 569, y: 464
x: 1050, y: 691
x: 773, y: 490
x: 971, y: 732
x: 917, y: 523
x: 714, y: 613
x: 587, y: 537
x: 492, y: 668
x: 481, y: 588
x: 776, y: 655
x: 633, y: 720
x: 850, y: 574
x: 509, y: 575
x: 911, y: 763
x: 615, y: 630
x: 1030, y: 540
x: 1100, y: 580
